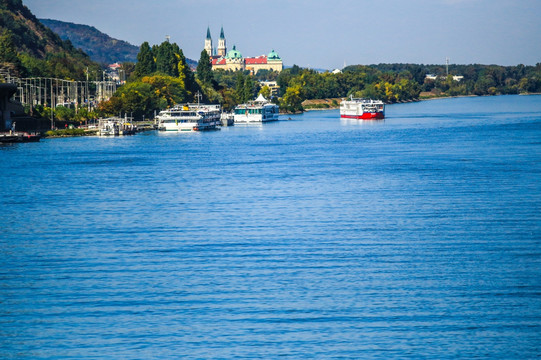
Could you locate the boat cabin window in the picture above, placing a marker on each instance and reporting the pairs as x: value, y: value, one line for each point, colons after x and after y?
x: 187, y: 113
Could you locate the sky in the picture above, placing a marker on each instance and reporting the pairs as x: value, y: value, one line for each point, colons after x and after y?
x: 323, y: 34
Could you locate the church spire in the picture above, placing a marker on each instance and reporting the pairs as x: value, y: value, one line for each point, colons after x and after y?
x: 208, y: 43
x: 222, y: 48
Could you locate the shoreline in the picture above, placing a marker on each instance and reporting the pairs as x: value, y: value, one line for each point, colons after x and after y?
x: 321, y: 101
x: 94, y: 132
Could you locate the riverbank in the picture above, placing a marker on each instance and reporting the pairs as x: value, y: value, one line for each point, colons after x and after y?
x: 82, y: 131
x: 321, y: 104
x: 334, y: 103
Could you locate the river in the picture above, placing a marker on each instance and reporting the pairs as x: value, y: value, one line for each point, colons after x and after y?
x: 414, y: 237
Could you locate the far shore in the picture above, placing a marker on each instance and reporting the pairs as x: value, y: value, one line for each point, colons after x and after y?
x: 316, y: 102
x: 146, y: 125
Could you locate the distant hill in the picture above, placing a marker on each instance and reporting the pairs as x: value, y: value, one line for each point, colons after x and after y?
x: 99, y: 46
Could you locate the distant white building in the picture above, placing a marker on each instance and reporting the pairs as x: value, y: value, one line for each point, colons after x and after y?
x: 433, y: 77
x: 272, y: 85
x: 115, y: 73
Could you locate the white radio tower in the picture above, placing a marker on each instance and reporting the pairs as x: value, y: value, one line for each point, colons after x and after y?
x: 447, y: 66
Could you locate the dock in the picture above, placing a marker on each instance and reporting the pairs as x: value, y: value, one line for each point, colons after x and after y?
x: 19, y: 137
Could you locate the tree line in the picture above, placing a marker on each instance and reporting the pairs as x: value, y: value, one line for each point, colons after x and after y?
x: 404, y: 82
x: 162, y: 78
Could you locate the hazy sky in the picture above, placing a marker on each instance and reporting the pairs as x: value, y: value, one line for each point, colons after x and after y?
x: 324, y: 33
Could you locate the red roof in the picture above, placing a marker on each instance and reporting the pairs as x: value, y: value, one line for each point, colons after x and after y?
x: 256, y: 60
x: 248, y: 61
x: 220, y: 61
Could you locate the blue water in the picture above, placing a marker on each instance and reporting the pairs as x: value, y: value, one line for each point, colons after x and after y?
x: 414, y: 237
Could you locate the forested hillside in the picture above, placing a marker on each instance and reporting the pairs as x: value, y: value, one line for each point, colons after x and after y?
x: 28, y: 48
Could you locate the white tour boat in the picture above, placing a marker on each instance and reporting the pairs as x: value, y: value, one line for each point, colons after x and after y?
x: 258, y: 111
x: 190, y: 117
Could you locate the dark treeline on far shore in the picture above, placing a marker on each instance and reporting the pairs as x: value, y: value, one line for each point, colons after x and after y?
x: 152, y: 86
x: 161, y: 78
x: 405, y: 82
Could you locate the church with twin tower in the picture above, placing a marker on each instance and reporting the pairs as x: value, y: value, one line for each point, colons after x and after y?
x: 234, y: 61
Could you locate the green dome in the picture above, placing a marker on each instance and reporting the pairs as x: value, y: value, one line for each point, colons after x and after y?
x: 273, y: 56
x: 234, y: 54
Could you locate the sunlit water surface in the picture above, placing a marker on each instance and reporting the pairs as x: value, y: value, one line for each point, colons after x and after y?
x: 414, y: 237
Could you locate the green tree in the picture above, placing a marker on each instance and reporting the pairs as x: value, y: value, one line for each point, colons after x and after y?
x: 292, y: 99
x: 248, y: 91
x: 228, y: 96
x: 266, y: 92
x: 145, y: 61
x: 64, y: 113
x: 83, y: 115
x: 210, y: 94
x: 204, y: 68
x: 136, y: 98
x: 34, y: 67
x: 8, y: 51
x: 239, y: 88
x: 370, y: 91
x: 166, y: 59
x: 167, y: 89
x: 185, y: 73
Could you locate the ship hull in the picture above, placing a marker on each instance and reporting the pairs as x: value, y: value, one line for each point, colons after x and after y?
x: 365, y: 116
x: 364, y: 109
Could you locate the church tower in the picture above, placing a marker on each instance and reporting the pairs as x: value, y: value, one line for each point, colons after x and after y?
x: 208, y: 43
x: 222, y: 49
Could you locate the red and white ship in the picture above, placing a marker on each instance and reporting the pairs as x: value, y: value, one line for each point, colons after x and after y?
x: 362, y: 109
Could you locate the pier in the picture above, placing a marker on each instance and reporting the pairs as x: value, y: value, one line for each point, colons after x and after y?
x: 10, y: 113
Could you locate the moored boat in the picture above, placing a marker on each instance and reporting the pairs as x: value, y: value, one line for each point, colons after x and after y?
x: 17, y: 136
x: 190, y: 117
x: 258, y: 111
x: 115, y: 126
x: 358, y: 108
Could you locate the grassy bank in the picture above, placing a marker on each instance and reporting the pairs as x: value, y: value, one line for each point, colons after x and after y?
x: 70, y: 133
x: 321, y: 104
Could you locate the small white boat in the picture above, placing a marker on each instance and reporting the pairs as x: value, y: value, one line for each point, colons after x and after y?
x: 115, y: 126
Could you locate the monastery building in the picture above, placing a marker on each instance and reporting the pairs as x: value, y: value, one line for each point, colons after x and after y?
x: 233, y: 59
